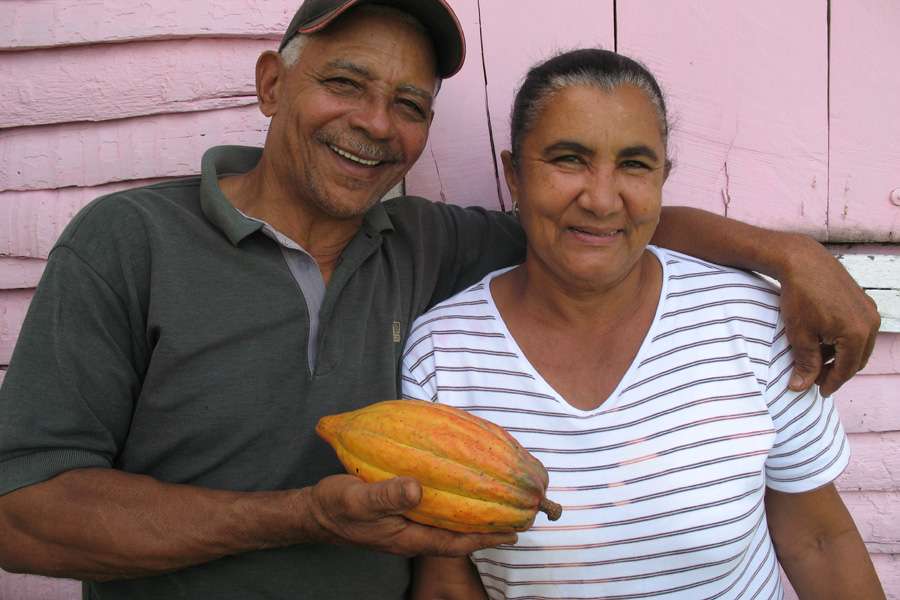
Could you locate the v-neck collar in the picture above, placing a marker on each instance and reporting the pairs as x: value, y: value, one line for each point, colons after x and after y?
x: 611, y: 401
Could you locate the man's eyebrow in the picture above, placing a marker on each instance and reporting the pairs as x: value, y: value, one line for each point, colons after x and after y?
x: 406, y: 88
x: 570, y: 146
x: 346, y: 65
x: 639, y: 150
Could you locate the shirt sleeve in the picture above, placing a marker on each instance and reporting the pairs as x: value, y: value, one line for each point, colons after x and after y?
x: 811, y: 448
x: 481, y: 241
x: 67, y: 398
x: 453, y: 247
x: 417, y: 367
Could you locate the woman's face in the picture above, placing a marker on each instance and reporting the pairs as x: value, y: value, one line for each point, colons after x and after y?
x: 589, y: 183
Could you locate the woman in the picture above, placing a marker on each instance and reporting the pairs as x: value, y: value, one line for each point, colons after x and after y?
x: 652, y: 385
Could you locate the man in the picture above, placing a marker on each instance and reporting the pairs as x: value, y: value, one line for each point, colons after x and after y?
x: 156, y: 437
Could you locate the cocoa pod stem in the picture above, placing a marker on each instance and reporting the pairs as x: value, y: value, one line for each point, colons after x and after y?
x: 550, y: 508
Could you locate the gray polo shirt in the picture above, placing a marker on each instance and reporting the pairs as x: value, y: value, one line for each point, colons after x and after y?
x: 309, y: 279
x: 169, y: 337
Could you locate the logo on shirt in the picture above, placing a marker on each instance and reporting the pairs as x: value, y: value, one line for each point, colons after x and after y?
x: 396, y: 330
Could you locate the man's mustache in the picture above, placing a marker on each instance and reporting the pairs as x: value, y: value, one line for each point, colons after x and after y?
x: 363, y: 148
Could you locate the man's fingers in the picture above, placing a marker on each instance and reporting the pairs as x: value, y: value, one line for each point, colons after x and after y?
x: 393, y: 496
x: 848, y: 358
x: 807, y: 360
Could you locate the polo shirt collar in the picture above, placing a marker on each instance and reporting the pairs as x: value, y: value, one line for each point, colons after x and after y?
x: 232, y: 160
x: 218, y: 162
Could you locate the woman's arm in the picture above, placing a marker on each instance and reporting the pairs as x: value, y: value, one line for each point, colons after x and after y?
x: 819, y: 547
x: 825, y: 312
x: 436, y: 578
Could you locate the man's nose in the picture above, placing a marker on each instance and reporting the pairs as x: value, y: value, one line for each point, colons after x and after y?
x: 374, y: 117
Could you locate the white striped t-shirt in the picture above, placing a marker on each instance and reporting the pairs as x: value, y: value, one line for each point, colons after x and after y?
x: 662, y: 485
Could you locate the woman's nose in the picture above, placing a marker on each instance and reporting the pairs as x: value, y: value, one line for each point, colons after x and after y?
x: 600, y: 193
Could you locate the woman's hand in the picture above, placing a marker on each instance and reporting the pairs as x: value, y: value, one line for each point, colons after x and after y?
x: 827, y: 315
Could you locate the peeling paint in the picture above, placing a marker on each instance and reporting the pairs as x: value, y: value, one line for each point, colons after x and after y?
x: 726, y: 191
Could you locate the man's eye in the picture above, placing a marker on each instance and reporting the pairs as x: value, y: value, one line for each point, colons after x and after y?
x: 341, y: 84
x: 413, y: 107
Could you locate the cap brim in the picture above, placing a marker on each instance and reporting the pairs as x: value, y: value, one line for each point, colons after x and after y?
x: 438, y: 18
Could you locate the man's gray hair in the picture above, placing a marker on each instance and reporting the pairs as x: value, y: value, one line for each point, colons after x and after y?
x: 290, y: 54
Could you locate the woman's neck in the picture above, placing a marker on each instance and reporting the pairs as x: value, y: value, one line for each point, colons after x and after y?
x: 544, y: 296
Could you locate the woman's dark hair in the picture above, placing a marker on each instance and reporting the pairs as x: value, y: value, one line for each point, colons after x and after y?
x: 588, y: 67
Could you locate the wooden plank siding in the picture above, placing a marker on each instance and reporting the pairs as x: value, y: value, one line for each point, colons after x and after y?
x: 31, y: 221
x: 116, y: 81
x: 456, y: 164
x: 538, y: 34
x: 31, y: 24
x: 750, y: 127
x: 780, y: 119
x: 90, y: 154
x: 865, y: 121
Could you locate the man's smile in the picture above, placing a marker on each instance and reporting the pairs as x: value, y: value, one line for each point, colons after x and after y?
x: 353, y: 157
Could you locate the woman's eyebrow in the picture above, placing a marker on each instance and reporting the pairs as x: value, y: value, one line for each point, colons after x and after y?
x: 639, y: 150
x: 570, y: 146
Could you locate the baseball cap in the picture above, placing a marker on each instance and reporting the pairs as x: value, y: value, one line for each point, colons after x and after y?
x: 436, y: 15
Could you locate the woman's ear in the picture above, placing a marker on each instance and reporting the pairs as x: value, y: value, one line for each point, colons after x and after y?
x: 270, y: 74
x: 511, y: 175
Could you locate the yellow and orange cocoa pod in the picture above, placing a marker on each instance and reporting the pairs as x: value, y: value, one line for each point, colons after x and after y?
x: 475, y: 476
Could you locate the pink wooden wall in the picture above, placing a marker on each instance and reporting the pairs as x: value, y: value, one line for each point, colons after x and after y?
x: 785, y: 116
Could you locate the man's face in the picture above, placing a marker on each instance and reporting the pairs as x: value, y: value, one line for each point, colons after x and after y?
x: 352, y: 115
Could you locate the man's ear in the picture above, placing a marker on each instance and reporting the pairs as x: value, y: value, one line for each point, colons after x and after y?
x: 509, y: 172
x: 270, y: 75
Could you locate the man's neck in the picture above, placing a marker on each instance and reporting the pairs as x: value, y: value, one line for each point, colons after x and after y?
x: 261, y: 194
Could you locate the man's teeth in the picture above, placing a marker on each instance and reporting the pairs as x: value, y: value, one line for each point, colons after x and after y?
x: 354, y: 158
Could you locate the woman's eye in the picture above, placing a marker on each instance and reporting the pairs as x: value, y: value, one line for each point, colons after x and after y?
x: 635, y: 164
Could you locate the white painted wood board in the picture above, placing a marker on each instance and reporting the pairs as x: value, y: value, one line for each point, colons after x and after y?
x: 879, y: 275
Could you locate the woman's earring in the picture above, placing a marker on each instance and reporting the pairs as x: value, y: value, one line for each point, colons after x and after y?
x: 515, y: 207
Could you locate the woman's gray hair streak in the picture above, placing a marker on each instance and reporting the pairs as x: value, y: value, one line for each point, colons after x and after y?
x: 590, y: 67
